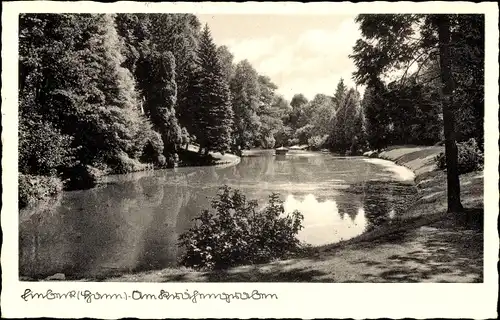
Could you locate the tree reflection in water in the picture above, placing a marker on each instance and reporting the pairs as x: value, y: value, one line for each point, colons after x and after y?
x: 349, y: 214
x: 327, y: 221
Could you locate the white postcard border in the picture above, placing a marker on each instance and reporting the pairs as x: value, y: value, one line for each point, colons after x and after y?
x: 295, y: 300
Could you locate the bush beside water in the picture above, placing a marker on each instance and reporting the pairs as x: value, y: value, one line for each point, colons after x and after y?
x: 235, y: 233
x: 470, y: 157
x: 36, y: 188
x: 317, y: 142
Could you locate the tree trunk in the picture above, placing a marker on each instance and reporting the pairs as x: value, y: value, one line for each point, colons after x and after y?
x: 451, y: 151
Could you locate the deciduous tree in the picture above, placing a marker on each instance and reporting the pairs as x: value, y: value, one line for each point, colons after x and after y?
x: 399, y: 42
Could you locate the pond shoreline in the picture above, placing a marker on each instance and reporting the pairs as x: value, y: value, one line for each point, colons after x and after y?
x: 406, y: 237
x: 388, y: 254
x: 217, y: 160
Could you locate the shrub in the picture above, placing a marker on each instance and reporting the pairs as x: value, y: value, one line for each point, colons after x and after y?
x: 303, y: 133
x: 268, y: 141
x: 237, y: 234
x: 185, y: 137
x: 293, y: 141
x: 317, y: 142
x: 81, y: 177
x: 470, y: 157
x: 125, y: 164
x: 36, y: 188
x: 283, y: 136
x: 153, y: 150
x: 43, y: 149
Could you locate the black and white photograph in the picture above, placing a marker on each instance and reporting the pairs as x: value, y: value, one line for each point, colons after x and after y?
x: 196, y: 147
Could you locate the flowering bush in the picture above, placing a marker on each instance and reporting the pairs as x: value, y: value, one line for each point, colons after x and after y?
x: 237, y: 234
x: 470, y: 157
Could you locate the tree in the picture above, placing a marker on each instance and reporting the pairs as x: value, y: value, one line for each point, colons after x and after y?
x: 297, y: 104
x: 313, y: 124
x: 283, y: 136
x: 267, y: 90
x: 335, y: 126
x: 226, y: 60
x: 340, y: 92
x: 398, y: 42
x: 353, y: 121
x: 272, y: 108
x: 467, y: 66
x: 134, y: 28
x: 120, y: 127
x: 321, y: 113
x: 75, y: 80
x: 245, y: 91
x: 414, y: 117
x: 189, y: 108
x: 347, y: 129
x: 375, y: 120
x: 451, y: 151
x: 280, y: 106
x: 156, y: 74
x: 298, y: 100
x: 180, y: 34
x: 43, y: 148
x: 215, y: 117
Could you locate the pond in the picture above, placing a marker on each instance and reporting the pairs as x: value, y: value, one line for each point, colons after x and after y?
x: 131, y: 222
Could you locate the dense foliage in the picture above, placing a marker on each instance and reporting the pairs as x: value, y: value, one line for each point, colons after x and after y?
x: 76, y: 95
x: 470, y: 157
x: 213, y: 117
x: 236, y: 233
x: 445, y: 85
x: 115, y: 93
x: 408, y: 110
x: 36, y: 188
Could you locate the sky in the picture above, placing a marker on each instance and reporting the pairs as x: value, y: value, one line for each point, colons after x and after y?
x: 305, y: 54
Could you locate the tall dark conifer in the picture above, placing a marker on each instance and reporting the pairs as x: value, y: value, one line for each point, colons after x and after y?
x: 339, y: 95
x: 156, y: 75
x: 215, y: 114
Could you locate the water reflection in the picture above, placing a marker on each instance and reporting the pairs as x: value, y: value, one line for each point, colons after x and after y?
x: 280, y: 157
x: 324, y: 221
x: 132, y: 222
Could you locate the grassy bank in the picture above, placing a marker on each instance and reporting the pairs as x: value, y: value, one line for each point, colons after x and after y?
x: 425, y: 245
x: 432, y: 182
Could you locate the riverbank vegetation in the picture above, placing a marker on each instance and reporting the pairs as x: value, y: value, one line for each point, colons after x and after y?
x: 116, y: 93
x: 101, y: 94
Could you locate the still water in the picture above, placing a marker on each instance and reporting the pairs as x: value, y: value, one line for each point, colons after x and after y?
x: 131, y: 222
